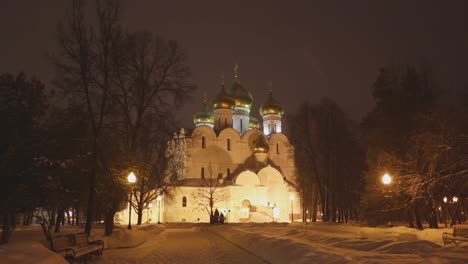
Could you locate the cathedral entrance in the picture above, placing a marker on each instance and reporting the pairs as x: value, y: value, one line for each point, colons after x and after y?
x: 245, y: 211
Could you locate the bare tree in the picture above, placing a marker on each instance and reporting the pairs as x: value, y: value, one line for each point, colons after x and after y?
x: 85, y: 67
x: 329, y: 160
x: 151, y: 84
x: 210, y: 192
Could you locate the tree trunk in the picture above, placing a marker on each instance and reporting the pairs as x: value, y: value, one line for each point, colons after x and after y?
x: 7, y: 228
x: 91, y: 194
x: 417, y: 217
x: 58, y: 220
x: 109, y: 222
x: 140, y: 216
x: 77, y: 215
x: 410, y: 218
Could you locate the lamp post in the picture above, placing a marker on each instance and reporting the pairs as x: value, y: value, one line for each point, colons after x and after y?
x: 150, y: 205
x: 292, y: 197
x: 456, y: 216
x: 159, y: 198
x: 131, y: 180
x: 446, y: 210
x: 387, y: 180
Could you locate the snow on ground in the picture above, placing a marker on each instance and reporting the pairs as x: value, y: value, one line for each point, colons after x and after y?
x: 250, y: 243
x: 182, y: 244
x: 29, y: 245
x: 343, y: 243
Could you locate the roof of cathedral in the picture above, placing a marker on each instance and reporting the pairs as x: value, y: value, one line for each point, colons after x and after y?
x: 261, y: 146
x: 271, y: 106
x: 223, y: 100
x: 253, y: 122
x: 240, y: 95
x: 205, y: 116
x: 199, y: 182
x: 255, y: 166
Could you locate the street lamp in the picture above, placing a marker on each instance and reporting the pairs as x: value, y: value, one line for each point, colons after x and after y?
x: 446, y: 210
x: 159, y: 198
x: 456, y: 214
x: 292, y: 197
x: 387, y: 180
x: 131, y: 180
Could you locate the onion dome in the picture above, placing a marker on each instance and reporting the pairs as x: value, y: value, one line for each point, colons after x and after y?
x: 204, y: 117
x: 271, y: 106
x: 253, y: 123
x: 223, y: 100
x: 240, y: 95
x: 261, y: 146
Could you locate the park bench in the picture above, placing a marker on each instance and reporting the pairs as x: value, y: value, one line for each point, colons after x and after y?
x: 459, y: 234
x: 76, y: 247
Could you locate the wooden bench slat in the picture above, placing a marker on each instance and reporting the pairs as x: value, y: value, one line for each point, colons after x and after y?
x: 76, y: 246
x: 459, y: 234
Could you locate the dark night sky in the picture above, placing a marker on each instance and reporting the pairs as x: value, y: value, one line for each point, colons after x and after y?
x: 308, y: 49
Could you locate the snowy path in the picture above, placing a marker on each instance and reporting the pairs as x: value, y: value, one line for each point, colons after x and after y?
x: 181, y: 245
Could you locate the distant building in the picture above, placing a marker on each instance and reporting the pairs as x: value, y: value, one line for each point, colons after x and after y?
x: 248, y: 171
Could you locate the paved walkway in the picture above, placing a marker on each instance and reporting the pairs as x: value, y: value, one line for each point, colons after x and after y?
x: 181, y: 245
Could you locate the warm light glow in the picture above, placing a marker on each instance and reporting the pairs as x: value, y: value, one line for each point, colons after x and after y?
x: 292, y: 197
x: 131, y: 177
x: 445, y: 199
x: 150, y: 205
x: 159, y: 198
x: 276, y: 212
x: 386, y: 179
x: 455, y: 199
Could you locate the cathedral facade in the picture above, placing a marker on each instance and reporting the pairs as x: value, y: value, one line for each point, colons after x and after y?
x: 232, y: 164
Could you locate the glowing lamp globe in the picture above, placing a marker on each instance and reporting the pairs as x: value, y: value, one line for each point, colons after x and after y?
x: 131, y: 177
x: 386, y: 179
x: 292, y: 197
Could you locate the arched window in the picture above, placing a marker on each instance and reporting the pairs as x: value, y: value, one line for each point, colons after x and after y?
x: 277, y: 148
x: 203, y: 141
x: 184, y: 201
x: 228, y: 144
x: 269, y: 127
x: 203, y: 172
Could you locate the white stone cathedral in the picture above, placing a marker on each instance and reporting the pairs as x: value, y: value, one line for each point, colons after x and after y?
x: 248, y: 173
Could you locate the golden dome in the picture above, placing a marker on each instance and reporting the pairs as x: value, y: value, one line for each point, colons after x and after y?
x: 261, y: 146
x: 271, y: 106
x: 204, y: 117
x: 253, y: 123
x: 223, y: 100
x: 240, y: 95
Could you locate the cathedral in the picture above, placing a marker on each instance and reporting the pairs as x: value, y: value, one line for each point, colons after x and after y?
x: 232, y: 163
x: 244, y: 169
